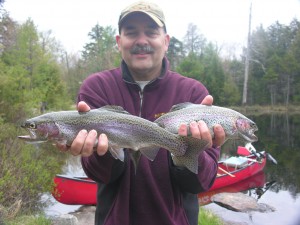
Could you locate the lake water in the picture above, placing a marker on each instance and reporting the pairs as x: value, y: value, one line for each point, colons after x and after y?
x: 278, y: 135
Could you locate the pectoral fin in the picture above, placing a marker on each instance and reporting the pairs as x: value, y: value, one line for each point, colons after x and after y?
x: 150, y: 152
x: 117, y: 153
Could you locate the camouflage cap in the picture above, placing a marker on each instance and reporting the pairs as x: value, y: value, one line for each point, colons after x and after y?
x: 150, y: 9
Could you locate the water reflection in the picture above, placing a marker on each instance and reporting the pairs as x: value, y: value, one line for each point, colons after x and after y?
x: 281, y: 137
x: 255, y: 185
x: 279, y: 134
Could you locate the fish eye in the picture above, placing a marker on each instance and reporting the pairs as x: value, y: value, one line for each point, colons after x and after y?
x: 32, y: 125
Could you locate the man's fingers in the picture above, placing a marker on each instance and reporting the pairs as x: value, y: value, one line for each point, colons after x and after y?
x: 219, y: 135
x: 89, y: 143
x: 208, y: 100
x: 194, y: 129
x: 204, y: 132
x: 102, y: 144
x: 78, y: 142
x: 83, y: 107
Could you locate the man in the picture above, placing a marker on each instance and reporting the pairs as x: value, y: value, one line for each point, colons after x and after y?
x: 158, y: 192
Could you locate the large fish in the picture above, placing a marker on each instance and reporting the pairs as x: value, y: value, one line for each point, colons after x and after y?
x: 122, y: 129
x: 235, y: 125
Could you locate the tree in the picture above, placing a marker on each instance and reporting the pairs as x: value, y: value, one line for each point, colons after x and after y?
x: 31, y: 75
x: 233, y: 86
x: 273, y: 64
x: 98, y: 54
x: 191, y: 66
x: 246, y: 77
x: 292, y: 65
x: 213, y: 77
x: 101, y: 52
x: 175, y: 52
x: 193, y: 41
x: 7, y: 32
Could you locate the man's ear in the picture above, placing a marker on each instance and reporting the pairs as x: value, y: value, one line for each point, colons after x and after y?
x: 118, y: 39
x: 167, y: 41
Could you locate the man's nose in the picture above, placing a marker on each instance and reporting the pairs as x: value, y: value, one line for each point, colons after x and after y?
x: 142, y: 39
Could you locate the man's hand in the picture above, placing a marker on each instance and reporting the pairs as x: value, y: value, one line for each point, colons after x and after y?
x: 85, y: 141
x: 201, y: 131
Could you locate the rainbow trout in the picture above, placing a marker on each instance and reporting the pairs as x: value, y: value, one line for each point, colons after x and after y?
x: 235, y: 125
x: 122, y: 129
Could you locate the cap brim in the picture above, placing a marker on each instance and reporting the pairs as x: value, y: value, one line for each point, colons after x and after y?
x: 152, y: 16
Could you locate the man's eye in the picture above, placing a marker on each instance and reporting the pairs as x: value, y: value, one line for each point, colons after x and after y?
x: 131, y: 33
x: 151, y: 33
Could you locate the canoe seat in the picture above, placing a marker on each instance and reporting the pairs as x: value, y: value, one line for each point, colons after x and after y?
x: 236, y: 162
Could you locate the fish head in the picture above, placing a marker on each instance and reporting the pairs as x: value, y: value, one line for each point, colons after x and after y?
x: 40, y: 130
x: 246, y: 129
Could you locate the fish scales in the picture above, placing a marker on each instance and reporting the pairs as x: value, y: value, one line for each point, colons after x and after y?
x: 123, y: 131
x: 235, y: 125
x: 130, y: 131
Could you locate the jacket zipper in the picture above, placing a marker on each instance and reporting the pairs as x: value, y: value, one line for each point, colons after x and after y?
x: 141, y: 93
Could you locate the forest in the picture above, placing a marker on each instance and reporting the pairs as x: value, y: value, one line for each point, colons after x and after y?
x: 38, y: 75
x: 36, y: 70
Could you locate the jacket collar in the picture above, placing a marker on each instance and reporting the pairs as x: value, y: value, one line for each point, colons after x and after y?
x: 127, y: 77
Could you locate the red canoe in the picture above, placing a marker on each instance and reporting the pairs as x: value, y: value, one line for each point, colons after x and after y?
x: 82, y: 190
x: 256, y: 181
x: 229, y: 174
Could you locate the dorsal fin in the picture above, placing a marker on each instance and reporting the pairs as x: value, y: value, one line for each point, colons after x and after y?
x: 182, y: 106
x: 114, y: 108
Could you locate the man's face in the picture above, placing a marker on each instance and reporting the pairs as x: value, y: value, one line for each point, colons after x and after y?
x: 143, y: 45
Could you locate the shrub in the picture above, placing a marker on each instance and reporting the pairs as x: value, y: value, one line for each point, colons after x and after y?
x: 26, y: 170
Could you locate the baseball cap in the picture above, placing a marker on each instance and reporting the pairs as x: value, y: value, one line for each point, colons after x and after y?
x: 148, y: 8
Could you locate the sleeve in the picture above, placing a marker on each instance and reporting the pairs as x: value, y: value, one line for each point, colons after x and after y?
x: 105, y: 168
x: 92, y: 92
x: 208, y: 159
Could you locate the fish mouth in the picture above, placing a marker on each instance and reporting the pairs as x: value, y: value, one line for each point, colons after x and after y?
x: 253, y: 138
x: 27, y: 138
x: 250, y: 136
x: 32, y: 137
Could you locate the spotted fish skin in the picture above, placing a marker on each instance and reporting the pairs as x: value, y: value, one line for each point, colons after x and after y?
x: 122, y: 129
x: 235, y: 125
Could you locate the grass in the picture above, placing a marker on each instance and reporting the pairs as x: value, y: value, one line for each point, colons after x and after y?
x: 28, y: 220
x: 206, y: 217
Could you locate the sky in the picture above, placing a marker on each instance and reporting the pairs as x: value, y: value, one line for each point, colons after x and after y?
x: 224, y: 22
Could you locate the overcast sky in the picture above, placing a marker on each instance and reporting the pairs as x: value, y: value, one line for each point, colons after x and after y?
x: 222, y: 21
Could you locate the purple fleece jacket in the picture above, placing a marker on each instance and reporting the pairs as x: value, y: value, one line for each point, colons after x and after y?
x: 159, y: 192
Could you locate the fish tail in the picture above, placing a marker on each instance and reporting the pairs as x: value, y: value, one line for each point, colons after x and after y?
x: 190, y: 158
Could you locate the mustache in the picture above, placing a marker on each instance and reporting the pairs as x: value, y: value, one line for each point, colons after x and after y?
x: 141, y: 49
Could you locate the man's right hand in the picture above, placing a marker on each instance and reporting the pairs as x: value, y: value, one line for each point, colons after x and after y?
x: 85, y: 141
